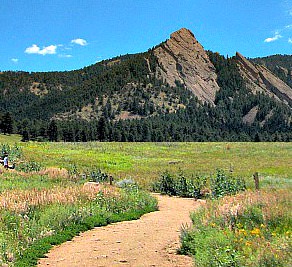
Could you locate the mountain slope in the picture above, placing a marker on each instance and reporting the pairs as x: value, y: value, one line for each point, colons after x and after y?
x: 175, y: 91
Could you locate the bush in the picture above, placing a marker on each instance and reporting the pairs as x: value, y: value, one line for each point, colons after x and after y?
x: 98, y: 176
x: 197, y: 187
x: 223, y: 184
x: 14, y: 152
x: 31, y: 166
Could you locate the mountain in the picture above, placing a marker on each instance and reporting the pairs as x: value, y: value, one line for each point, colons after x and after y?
x: 175, y: 91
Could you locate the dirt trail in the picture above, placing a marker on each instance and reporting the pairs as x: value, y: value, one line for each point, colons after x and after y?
x: 149, y: 241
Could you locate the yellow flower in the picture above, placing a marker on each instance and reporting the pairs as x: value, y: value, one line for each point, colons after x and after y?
x: 247, y: 243
x: 255, y: 231
x: 274, y: 234
x: 263, y: 226
x: 242, y: 231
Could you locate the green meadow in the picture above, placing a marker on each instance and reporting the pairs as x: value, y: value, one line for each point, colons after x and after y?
x: 144, y: 162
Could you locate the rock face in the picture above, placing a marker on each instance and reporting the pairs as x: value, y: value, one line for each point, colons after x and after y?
x: 260, y: 79
x: 182, y: 58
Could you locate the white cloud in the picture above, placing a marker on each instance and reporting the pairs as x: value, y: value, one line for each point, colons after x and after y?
x: 288, y: 26
x: 272, y: 39
x: 79, y: 41
x: 47, y: 50
x: 15, y: 60
x: 290, y: 40
x: 65, y: 56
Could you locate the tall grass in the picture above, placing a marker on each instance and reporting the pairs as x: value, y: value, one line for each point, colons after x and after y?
x: 250, y: 229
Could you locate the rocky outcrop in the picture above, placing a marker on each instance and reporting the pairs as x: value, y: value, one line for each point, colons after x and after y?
x: 249, y: 118
x: 259, y: 79
x: 182, y: 58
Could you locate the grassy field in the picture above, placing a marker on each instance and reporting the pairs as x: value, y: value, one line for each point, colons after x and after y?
x: 144, y: 162
x: 47, y: 207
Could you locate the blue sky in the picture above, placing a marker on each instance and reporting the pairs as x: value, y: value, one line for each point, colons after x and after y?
x: 47, y: 35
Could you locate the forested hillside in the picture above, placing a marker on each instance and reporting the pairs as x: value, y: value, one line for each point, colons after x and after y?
x: 123, y: 99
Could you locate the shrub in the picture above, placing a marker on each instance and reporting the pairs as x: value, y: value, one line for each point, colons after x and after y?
x: 14, y: 152
x: 165, y: 185
x: 223, y: 184
x: 31, y: 166
x: 98, y: 176
x: 197, y: 187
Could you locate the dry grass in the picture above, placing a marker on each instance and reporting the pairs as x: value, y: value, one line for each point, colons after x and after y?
x: 54, y: 172
x: 21, y: 201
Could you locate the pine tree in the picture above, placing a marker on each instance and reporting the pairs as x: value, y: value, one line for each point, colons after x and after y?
x: 53, y: 131
x: 7, y: 123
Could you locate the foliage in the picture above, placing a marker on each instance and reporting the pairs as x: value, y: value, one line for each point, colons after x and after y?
x: 216, y: 186
x: 250, y: 229
x: 98, y: 176
x: 128, y: 184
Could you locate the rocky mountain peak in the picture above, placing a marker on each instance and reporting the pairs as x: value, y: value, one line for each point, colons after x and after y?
x: 182, y: 58
x: 184, y: 35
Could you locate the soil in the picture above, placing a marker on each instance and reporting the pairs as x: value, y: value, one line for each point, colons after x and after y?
x: 152, y: 240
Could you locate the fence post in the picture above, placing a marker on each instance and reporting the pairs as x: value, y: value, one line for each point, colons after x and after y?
x: 256, y: 180
x: 111, y: 180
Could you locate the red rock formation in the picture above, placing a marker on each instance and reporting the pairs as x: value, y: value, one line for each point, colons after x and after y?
x: 182, y: 58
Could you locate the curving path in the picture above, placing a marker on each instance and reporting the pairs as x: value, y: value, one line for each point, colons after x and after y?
x: 150, y: 241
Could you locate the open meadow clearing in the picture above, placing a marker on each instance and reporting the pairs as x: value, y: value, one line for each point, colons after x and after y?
x: 43, y: 202
x: 144, y: 162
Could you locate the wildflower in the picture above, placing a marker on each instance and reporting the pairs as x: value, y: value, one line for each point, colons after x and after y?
x: 274, y: 234
x: 248, y: 243
x: 255, y: 231
x: 263, y: 226
x: 213, y: 224
x: 242, y: 231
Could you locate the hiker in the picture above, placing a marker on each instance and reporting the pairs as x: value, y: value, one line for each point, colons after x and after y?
x: 5, y: 161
